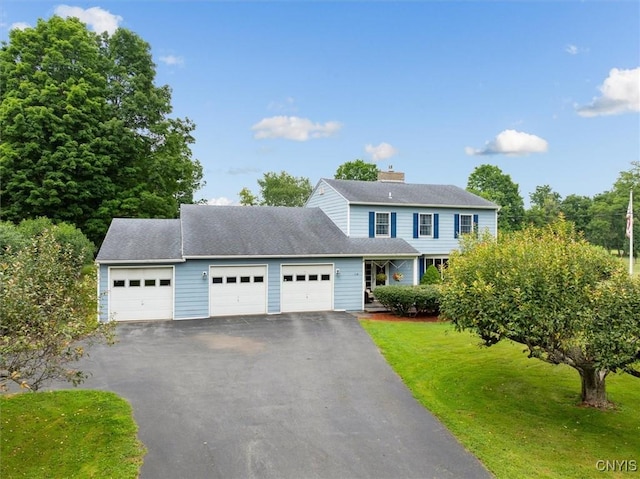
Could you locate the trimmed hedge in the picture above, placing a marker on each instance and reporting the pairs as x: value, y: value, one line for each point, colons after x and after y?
x: 408, y: 300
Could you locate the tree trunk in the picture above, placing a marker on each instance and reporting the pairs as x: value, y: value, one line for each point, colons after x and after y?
x: 594, y: 393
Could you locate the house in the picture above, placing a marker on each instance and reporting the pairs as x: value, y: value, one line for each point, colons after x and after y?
x: 237, y: 260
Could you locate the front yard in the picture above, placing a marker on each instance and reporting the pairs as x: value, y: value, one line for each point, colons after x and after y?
x: 517, y: 415
x: 70, y: 434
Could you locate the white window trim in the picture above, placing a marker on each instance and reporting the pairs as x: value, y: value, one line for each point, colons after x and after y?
x: 420, y: 215
x: 470, y: 216
x: 376, y: 234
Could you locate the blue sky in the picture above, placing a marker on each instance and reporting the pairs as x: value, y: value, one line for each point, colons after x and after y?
x: 547, y: 91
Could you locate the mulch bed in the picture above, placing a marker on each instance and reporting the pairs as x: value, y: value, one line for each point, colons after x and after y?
x: 386, y: 316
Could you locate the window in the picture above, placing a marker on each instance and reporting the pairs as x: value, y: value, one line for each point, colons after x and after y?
x: 245, y: 279
x: 466, y: 224
x: 426, y: 225
x: 165, y: 282
x: 287, y: 277
x: 313, y: 277
x: 216, y: 280
x: 440, y: 263
x: 326, y: 277
x: 382, y: 224
x: 258, y: 279
x: 232, y: 279
x: 134, y: 283
x: 300, y: 277
x: 118, y: 283
x: 149, y: 282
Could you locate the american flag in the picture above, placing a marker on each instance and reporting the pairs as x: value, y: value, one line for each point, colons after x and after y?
x: 629, y: 230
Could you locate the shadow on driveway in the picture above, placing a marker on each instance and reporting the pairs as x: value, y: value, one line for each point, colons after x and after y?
x: 289, y: 396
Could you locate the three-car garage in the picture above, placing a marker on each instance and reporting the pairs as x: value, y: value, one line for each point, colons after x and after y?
x: 233, y: 290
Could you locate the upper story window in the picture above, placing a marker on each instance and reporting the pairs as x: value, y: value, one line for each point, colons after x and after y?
x: 426, y: 225
x: 382, y: 224
x: 466, y: 224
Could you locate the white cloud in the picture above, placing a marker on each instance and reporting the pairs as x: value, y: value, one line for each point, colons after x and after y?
x: 293, y: 128
x: 19, y: 26
x: 571, y: 49
x: 172, y: 60
x: 222, y: 201
x: 381, y: 152
x: 98, y: 19
x: 620, y: 94
x: 513, y: 143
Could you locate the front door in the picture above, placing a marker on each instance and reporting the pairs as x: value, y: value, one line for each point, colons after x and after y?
x: 374, y: 272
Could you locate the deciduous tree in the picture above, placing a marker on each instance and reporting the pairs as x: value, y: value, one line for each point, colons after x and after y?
x: 567, y: 301
x: 492, y: 184
x: 357, y: 170
x: 86, y: 133
x: 278, y: 189
x: 48, y: 315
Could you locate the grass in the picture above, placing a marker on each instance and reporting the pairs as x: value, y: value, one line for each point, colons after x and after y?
x: 519, y: 416
x: 68, y: 434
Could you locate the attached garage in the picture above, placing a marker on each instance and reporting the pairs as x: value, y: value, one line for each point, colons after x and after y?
x: 307, y: 288
x: 236, y: 290
x: 141, y: 293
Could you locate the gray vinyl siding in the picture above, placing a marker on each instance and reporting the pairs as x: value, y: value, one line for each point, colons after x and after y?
x: 333, y: 205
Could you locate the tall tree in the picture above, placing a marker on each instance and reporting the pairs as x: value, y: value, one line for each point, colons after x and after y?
x: 545, y: 206
x: 566, y: 301
x: 491, y: 183
x: 608, y: 212
x: 576, y: 208
x: 86, y: 134
x: 357, y: 170
x: 278, y: 189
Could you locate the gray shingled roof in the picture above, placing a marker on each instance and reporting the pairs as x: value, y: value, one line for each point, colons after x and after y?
x: 273, y: 231
x: 384, y: 192
x: 137, y: 239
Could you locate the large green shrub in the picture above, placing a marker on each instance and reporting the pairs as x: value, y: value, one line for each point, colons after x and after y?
x: 407, y: 300
x: 427, y: 299
x: 431, y: 276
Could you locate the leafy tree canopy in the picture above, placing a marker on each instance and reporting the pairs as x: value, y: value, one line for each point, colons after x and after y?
x: 86, y: 133
x: 492, y: 184
x: 278, y: 189
x: 357, y: 170
x: 548, y: 289
x: 15, y: 237
x: 48, y: 313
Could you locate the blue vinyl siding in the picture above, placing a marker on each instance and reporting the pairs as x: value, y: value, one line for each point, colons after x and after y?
x: 103, y: 288
x: 191, y: 297
x: 332, y: 203
x: 444, y: 239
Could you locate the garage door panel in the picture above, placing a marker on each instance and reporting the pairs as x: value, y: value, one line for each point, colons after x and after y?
x: 141, y: 293
x: 238, y: 290
x: 307, y: 288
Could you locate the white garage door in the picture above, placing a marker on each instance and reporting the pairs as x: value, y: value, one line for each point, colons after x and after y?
x: 307, y: 288
x: 237, y: 290
x: 141, y: 293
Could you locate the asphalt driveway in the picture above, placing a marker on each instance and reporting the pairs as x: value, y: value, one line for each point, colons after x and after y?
x: 289, y: 396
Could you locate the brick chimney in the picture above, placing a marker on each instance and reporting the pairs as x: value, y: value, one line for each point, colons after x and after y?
x: 391, y: 176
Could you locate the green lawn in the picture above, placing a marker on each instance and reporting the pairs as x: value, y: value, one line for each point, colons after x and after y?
x: 68, y: 434
x: 519, y: 416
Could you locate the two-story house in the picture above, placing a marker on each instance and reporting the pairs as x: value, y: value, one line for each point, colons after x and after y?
x: 237, y: 260
x: 429, y: 217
